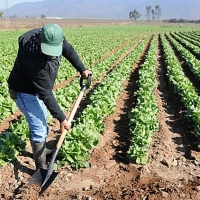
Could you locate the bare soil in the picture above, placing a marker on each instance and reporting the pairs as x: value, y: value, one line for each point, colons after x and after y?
x: 29, y: 23
x: 172, y: 172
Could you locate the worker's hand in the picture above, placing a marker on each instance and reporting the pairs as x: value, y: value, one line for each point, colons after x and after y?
x: 86, y: 73
x: 65, y: 125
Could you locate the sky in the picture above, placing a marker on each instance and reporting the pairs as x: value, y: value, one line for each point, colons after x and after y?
x: 13, y: 2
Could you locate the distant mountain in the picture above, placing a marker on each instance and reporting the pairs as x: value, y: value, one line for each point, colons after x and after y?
x: 106, y: 9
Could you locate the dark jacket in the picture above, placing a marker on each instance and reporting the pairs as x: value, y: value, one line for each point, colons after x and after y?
x: 34, y: 73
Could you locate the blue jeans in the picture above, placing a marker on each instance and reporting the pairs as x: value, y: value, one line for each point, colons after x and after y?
x: 36, y: 113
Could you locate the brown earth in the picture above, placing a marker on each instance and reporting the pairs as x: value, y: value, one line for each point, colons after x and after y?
x: 172, y: 172
x: 29, y: 23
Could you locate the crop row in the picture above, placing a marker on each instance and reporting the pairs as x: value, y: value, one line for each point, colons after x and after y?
x: 182, y: 86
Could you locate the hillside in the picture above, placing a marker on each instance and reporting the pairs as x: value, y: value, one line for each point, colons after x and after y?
x: 103, y: 9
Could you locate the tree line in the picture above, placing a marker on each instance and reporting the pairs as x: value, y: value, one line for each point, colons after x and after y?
x: 174, y: 20
x: 152, y: 14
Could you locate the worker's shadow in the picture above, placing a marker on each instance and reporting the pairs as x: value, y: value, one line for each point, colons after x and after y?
x: 19, y: 167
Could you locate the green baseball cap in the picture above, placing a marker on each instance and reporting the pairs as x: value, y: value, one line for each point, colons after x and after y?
x: 51, y: 39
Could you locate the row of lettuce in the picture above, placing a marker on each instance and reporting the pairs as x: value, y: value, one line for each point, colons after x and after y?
x: 182, y: 85
x: 143, y: 117
x: 117, y: 66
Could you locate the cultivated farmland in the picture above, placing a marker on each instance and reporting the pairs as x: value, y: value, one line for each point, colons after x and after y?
x: 136, y: 133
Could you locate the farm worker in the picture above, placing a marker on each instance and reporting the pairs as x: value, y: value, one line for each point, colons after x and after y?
x: 32, y: 79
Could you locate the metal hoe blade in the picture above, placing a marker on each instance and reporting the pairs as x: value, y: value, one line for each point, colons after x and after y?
x: 38, y: 178
x: 50, y: 170
x: 48, y: 182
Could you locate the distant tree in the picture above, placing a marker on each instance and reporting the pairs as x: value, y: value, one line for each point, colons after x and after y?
x: 153, y: 15
x: 1, y: 14
x: 12, y: 16
x: 134, y: 15
x: 43, y: 16
x: 158, y: 12
x: 148, y: 9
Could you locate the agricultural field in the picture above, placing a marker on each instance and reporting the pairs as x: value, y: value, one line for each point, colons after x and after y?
x: 136, y: 133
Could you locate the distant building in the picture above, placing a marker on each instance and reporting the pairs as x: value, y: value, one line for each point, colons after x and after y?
x: 49, y: 17
x: 53, y: 17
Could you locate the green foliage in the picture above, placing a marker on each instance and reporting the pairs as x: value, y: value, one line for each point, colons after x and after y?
x: 11, y: 145
x: 104, y: 52
x: 143, y: 118
x: 134, y: 15
x: 43, y: 16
